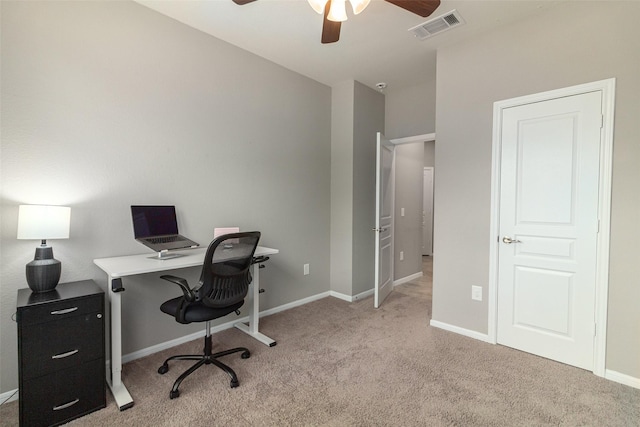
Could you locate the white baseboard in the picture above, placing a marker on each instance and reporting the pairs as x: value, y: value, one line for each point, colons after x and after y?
x: 622, y: 378
x: 407, y: 279
x: 196, y: 335
x: 293, y: 304
x: 172, y: 343
x: 349, y: 298
x: 609, y: 374
x: 344, y: 297
x: 370, y: 292
x: 461, y: 331
x: 12, y: 395
x: 363, y: 295
x: 228, y: 325
x: 9, y: 396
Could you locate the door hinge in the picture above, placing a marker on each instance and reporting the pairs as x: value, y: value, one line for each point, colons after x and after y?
x: 595, y: 329
x: 601, y: 121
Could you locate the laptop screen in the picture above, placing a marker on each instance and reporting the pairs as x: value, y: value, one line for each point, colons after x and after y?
x: 150, y: 221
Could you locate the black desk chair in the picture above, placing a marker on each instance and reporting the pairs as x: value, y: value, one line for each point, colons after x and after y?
x: 224, y: 283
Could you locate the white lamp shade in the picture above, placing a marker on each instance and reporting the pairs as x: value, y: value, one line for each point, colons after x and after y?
x: 39, y: 222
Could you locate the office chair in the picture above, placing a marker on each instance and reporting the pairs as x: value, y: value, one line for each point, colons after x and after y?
x: 223, y: 285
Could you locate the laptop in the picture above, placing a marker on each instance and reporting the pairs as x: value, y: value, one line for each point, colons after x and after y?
x: 157, y: 228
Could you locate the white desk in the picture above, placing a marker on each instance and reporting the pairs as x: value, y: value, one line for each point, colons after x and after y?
x: 119, y: 267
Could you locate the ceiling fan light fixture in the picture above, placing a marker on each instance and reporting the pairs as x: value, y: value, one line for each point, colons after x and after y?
x: 338, y: 8
x: 359, y: 5
x: 318, y: 5
x: 338, y: 11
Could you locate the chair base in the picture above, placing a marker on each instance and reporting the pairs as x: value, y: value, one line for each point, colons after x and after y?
x: 207, y: 358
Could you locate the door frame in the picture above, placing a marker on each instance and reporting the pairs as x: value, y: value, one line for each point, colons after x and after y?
x: 395, y: 142
x: 607, y: 88
x: 426, y: 137
x: 424, y: 169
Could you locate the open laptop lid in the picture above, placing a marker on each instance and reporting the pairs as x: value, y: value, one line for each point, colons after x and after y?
x: 153, y: 222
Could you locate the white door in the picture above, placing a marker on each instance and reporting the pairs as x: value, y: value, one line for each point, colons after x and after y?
x: 548, y: 225
x: 385, y: 162
x: 427, y: 211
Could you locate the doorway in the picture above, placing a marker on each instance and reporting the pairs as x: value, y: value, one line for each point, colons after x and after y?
x: 407, y: 243
x: 408, y: 197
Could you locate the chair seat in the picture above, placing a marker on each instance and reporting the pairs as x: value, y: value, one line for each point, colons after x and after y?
x: 197, y: 311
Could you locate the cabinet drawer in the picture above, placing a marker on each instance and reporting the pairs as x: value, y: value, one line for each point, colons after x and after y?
x: 46, y: 347
x: 60, y: 309
x: 63, y: 395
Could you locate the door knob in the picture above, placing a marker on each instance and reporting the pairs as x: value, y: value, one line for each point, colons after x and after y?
x: 508, y: 240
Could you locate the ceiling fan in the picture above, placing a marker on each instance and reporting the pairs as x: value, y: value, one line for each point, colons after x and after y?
x: 335, y: 13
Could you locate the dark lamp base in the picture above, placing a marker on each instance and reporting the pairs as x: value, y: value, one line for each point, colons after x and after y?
x: 43, y: 273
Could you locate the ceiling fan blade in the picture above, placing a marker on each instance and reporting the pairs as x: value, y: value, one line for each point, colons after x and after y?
x: 241, y: 2
x: 330, y: 29
x: 423, y: 8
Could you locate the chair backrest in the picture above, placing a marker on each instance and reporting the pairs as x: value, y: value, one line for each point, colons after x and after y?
x: 226, y: 272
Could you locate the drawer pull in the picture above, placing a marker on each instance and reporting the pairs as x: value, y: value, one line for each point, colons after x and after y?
x: 63, y: 355
x: 65, y: 311
x: 66, y: 405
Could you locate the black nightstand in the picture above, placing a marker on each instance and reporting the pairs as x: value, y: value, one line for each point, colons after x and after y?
x: 61, y: 353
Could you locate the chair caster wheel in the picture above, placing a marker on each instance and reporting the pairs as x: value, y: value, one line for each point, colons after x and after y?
x: 245, y: 355
x: 174, y: 394
x: 163, y: 370
x: 235, y: 384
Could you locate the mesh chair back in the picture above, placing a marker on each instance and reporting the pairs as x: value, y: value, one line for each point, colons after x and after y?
x: 226, y: 272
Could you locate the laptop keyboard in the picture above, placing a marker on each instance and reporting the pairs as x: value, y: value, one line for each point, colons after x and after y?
x: 168, y: 239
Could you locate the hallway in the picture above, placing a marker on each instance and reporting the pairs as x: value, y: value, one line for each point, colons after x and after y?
x: 422, y: 286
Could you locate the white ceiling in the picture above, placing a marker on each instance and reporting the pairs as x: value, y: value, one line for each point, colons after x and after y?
x: 374, y: 46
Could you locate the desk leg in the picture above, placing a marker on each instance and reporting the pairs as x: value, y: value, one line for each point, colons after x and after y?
x: 254, y: 311
x: 120, y: 393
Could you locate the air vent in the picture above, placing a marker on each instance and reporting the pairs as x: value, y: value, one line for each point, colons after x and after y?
x: 437, y: 25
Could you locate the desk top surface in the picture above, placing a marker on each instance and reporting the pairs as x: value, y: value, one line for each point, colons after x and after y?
x: 147, y: 263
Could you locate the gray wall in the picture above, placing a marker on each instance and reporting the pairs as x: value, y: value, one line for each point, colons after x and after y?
x: 411, y: 110
x: 538, y: 54
x: 342, y: 155
x: 106, y: 104
x: 369, y: 119
x: 409, y: 195
x: 430, y: 154
x: 357, y: 115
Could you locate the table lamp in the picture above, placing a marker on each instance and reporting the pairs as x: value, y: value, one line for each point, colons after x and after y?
x: 40, y: 222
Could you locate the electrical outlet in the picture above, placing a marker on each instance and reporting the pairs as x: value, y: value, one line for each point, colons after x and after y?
x: 306, y: 269
x: 401, y: 255
x: 476, y: 293
x: 401, y: 211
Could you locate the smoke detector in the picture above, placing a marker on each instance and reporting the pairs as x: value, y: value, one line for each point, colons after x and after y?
x: 381, y: 86
x: 437, y: 25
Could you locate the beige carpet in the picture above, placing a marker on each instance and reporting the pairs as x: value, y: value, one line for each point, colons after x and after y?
x: 347, y: 364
